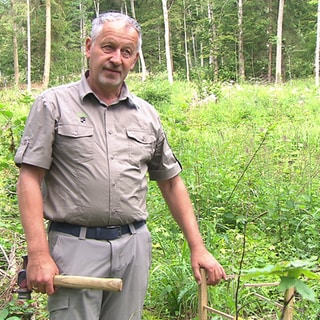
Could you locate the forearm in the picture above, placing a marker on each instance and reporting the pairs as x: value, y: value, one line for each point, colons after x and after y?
x: 31, y: 212
x: 179, y: 203
x: 41, y: 267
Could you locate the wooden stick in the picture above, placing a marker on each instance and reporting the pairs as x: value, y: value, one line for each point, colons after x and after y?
x: 78, y: 282
x: 203, y: 296
x: 288, y: 304
x: 269, y: 284
x: 228, y: 316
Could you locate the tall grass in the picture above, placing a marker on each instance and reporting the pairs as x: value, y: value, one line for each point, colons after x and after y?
x: 253, y: 157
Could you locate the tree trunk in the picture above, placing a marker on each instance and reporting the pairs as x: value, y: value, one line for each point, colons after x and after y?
x: 270, y: 46
x: 15, y: 45
x: 29, y: 48
x: 317, y: 53
x: 143, y: 64
x: 279, y: 43
x: 96, y: 4
x: 240, y: 40
x: 213, y: 45
x: 47, y: 58
x: 82, y: 36
x: 186, y: 41
x: 167, y: 40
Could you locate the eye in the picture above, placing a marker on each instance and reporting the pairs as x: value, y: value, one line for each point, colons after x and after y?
x: 126, y: 53
x: 107, y: 48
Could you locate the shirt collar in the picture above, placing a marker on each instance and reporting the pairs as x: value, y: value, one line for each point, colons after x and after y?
x: 125, y: 94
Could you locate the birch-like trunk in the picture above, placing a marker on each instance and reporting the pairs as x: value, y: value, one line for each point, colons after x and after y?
x: 186, y: 41
x: 167, y: 40
x: 270, y: 46
x: 279, y: 43
x: 15, y: 45
x: 317, y: 53
x: 28, y: 48
x: 47, y: 57
x: 240, y: 40
x: 141, y: 57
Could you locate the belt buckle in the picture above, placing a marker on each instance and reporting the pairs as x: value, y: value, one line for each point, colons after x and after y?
x: 116, y: 231
x: 108, y: 233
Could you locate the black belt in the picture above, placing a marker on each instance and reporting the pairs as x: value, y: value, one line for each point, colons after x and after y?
x: 98, y: 233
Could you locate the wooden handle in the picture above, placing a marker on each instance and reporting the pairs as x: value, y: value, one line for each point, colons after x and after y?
x: 78, y: 282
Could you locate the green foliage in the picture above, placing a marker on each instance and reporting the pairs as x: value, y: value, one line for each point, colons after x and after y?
x: 4, y: 315
x: 289, y: 272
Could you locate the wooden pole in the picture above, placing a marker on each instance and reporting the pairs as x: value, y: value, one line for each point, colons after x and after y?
x: 287, y: 313
x: 203, y: 296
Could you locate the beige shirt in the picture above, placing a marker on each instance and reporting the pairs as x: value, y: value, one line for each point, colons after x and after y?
x: 97, y: 156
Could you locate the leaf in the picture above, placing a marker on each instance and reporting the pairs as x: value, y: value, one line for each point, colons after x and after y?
x: 305, y: 291
x: 291, y: 269
x: 7, y: 113
x: 3, y: 314
x: 311, y: 275
x: 286, y: 283
x: 267, y: 270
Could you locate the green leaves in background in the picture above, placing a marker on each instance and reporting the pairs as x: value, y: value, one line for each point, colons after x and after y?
x: 289, y: 273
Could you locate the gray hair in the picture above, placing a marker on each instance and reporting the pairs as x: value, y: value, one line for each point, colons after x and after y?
x: 98, y: 22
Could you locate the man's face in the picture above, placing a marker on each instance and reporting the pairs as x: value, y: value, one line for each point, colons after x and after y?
x: 112, y: 55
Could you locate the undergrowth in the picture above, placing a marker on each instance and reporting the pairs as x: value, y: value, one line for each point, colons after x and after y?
x: 251, y: 162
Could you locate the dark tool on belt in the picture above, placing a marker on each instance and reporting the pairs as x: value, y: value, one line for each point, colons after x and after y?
x: 76, y: 282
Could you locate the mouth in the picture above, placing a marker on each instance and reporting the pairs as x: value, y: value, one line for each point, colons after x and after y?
x: 112, y: 71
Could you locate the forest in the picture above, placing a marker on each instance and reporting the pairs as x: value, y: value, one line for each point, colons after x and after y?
x: 241, y: 112
x: 42, y: 41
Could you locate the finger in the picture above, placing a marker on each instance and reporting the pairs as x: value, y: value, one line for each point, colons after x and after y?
x: 215, y: 275
x: 197, y: 275
x: 50, y: 289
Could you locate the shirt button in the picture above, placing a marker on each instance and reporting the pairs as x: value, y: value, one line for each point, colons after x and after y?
x: 110, y: 132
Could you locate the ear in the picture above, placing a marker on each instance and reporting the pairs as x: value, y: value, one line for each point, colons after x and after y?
x: 134, y: 61
x: 89, y: 43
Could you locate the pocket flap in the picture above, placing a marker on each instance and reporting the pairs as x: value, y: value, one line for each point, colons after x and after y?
x: 75, y: 131
x: 141, y: 136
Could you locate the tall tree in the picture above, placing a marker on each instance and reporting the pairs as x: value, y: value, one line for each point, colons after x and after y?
x: 213, y: 58
x: 270, y: 42
x: 240, y: 42
x: 15, y: 45
x: 82, y: 36
x: 186, y: 52
x: 143, y: 64
x: 167, y: 40
x: 47, y: 56
x: 28, y: 47
x: 279, y: 43
x: 317, y: 53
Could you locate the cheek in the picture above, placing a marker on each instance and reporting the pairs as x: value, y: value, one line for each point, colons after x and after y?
x: 133, y: 64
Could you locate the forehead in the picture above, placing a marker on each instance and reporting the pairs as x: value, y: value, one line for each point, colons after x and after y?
x: 119, y: 32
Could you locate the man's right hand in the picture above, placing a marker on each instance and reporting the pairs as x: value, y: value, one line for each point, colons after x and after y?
x: 41, y: 270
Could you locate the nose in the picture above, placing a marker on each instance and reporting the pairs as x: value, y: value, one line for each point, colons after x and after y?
x: 116, y: 57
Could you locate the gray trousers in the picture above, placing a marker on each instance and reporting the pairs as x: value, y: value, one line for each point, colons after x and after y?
x: 128, y: 258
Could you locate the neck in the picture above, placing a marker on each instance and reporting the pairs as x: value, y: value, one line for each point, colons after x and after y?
x: 106, y: 94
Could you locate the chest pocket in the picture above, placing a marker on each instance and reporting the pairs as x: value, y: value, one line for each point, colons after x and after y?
x: 75, y: 142
x: 141, y: 145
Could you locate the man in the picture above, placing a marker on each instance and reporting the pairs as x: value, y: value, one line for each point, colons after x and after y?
x: 84, y: 156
